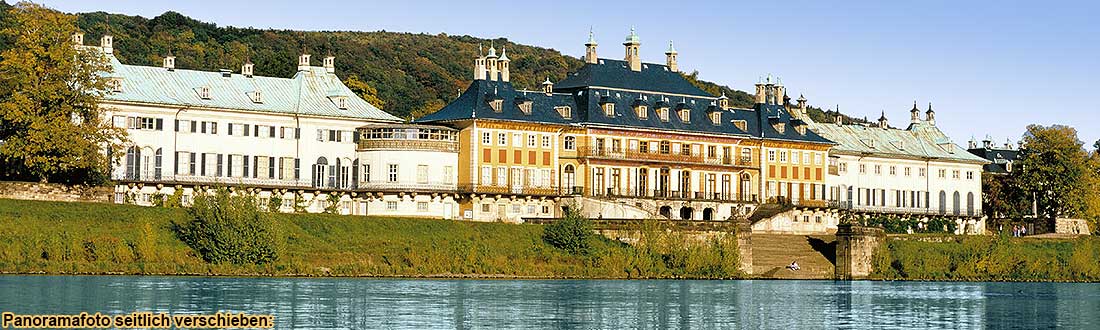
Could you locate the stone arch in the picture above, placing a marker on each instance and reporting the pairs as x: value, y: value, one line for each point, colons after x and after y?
x: 320, y: 168
x: 708, y: 214
x: 666, y: 211
x: 970, y: 203
x: 943, y: 202
x: 956, y: 204
x: 687, y: 213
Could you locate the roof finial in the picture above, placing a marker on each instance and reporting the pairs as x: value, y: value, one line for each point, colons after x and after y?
x: 503, y: 53
x: 591, y: 37
x: 671, y: 49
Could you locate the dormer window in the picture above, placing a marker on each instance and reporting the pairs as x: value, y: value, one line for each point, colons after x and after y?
x: 496, y: 104
x: 565, y: 111
x: 256, y: 97
x: 525, y: 106
x: 642, y: 111
x: 663, y: 114
x: 870, y: 143
x: 115, y: 85
x: 741, y: 124
x: 716, y: 118
x: 609, y: 109
x: 204, y: 92
x: 685, y: 115
x: 780, y: 127
x: 341, y: 102
x: 801, y: 129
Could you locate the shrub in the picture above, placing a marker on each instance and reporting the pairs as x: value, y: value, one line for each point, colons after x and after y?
x: 572, y: 233
x: 224, y: 227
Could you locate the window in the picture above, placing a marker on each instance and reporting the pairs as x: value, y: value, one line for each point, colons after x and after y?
x: 685, y: 115
x: 286, y: 166
x: 662, y: 113
x: 893, y: 170
x: 741, y: 124
x: 486, y: 175
x: 530, y: 209
x: 609, y: 109
x: 783, y: 156
x: 532, y: 140
x: 616, y: 145
x: 496, y: 105
x: 806, y: 158
x: 204, y: 92
x: 771, y: 155
x: 391, y: 206
x: 486, y: 138
x: 643, y: 146
x: 256, y: 97
x: 448, y: 174
x: 665, y: 147
x: 641, y: 111
x: 422, y: 206
x: 502, y: 139
x: 422, y: 174
x: 878, y: 169
x: 716, y: 118
x: 921, y: 172
x: 843, y: 167
x: 943, y: 174
x: 862, y: 169
x: 517, y: 140
x: 545, y: 141
x: 525, y: 107
x: 393, y: 173
x: 970, y: 175
x: 485, y: 207
x: 907, y: 171
x: 796, y: 157
x: 565, y: 111
x: 502, y: 176
x: 570, y: 142
x: 955, y: 174
x: 712, y: 152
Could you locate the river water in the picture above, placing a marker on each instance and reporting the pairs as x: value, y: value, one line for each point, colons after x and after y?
x: 309, y: 303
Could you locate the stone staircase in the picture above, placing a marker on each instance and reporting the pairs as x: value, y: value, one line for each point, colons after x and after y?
x: 815, y: 254
x: 766, y: 211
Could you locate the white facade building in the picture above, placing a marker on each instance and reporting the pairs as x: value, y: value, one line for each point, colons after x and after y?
x: 298, y: 139
x: 917, y: 171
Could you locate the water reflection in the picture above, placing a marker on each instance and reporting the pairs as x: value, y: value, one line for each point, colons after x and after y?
x: 505, y: 304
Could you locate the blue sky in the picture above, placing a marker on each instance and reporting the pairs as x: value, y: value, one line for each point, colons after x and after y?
x: 988, y: 67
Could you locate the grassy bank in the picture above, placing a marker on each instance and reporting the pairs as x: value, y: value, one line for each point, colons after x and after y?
x: 1002, y: 258
x: 91, y: 238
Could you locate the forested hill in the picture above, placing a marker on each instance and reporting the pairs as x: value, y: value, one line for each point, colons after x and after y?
x: 414, y: 74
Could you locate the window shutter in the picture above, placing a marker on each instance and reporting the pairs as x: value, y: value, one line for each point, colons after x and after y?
x: 230, y: 129
x: 297, y: 133
x: 297, y: 164
x: 229, y: 166
x: 202, y: 169
x: 321, y: 135
x: 160, y: 124
x: 177, y: 125
x: 244, y: 174
x: 245, y: 129
x: 194, y: 126
x: 270, y: 167
x: 192, y: 162
x: 255, y: 166
x: 219, y: 165
x: 272, y: 129
x: 256, y: 131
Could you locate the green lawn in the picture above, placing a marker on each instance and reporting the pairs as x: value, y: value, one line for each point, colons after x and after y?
x: 986, y: 258
x: 96, y: 238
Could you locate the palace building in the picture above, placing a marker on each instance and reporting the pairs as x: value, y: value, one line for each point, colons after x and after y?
x: 916, y: 171
x: 306, y: 142
x: 624, y: 139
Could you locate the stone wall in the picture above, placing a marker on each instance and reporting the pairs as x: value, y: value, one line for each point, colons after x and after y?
x: 855, y: 250
x: 1071, y: 226
x: 54, y: 192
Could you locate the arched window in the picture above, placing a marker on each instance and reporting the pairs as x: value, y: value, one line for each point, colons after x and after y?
x: 570, y: 179
x: 956, y: 203
x: 133, y: 162
x: 320, y: 168
x: 943, y: 202
x: 970, y: 204
x: 746, y: 187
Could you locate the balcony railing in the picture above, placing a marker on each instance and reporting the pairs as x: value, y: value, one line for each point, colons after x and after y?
x: 847, y: 205
x: 430, y: 145
x: 635, y: 155
x: 408, y: 186
x: 511, y: 190
x: 670, y: 194
x: 213, y: 180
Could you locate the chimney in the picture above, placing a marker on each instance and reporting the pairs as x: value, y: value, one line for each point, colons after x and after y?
x: 882, y: 121
x: 170, y: 63
x: 303, y: 62
x: 479, y: 65
x: 761, y: 93
x: 914, y: 114
x: 590, y: 49
x: 780, y: 93
x: 632, y: 58
x: 491, y: 62
x: 246, y: 69
x: 330, y: 64
x: 670, y: 58
x: 931, y: 115
x: 547, y: 87
x: 78, y: 38
x: 108, y: 44
x: 503, y: 62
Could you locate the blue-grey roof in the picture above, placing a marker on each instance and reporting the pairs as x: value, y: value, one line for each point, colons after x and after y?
x: 617, y: 74
x: 586, y: 105
x: 309, y: 92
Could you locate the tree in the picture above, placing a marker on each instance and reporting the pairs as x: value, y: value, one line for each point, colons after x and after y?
x: 228, y: 227
x: 364, y: 90
x: 1002, y: 199
x: 50, y: 122
x: 572, y: 233
x: 1054, y: 169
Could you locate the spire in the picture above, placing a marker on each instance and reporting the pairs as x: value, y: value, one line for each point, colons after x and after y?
x: 480, y: 50
x: 591, y: 37
x: 670, y: 58
x: 590, y: 48
x: 914, y: 113
x: 931, y: 115
x: 632, y: 58
x: 492, y: 50
x: 671, y: 49
x: 503, y: 53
